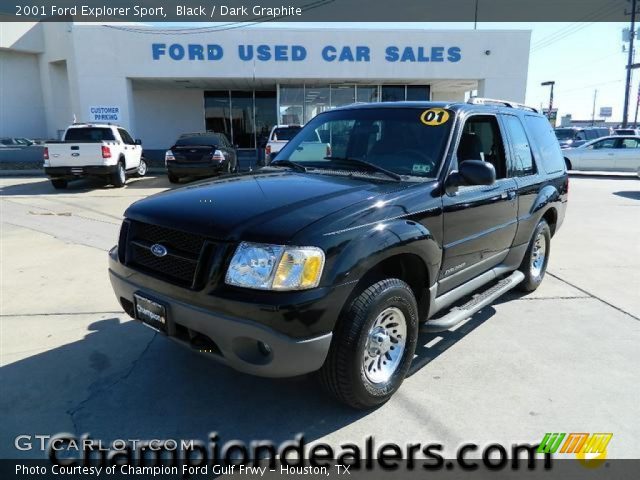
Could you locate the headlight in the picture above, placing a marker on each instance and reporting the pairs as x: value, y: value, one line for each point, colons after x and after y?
x: 275, y: 267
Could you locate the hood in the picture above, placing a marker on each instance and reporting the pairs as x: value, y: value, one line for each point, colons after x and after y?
x: 261, y: 207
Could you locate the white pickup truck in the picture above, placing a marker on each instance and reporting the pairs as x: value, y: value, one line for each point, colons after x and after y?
x: 312, y: 148
x: 92, y: 149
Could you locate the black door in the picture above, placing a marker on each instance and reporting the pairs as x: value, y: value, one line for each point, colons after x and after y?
x: 479, y: 222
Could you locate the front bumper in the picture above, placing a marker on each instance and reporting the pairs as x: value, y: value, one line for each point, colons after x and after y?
x: 195, y: 169
x: 234, y: 340
x: 70, y: 172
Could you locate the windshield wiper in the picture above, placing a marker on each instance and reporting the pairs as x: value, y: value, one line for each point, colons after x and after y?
x: 364, y: 163
x: 288, y: 163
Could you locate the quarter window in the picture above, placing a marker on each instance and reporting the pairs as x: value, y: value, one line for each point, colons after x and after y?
x: 522, y: 162
x: 630, y: 143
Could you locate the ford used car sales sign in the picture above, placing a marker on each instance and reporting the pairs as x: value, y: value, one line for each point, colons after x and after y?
x: 298, y: 53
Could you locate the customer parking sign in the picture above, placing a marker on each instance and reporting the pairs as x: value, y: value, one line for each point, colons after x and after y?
x: 104, y: 113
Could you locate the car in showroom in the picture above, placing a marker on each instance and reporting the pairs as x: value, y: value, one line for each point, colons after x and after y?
x: 203, y: 154
x: 615, y: 153
x: 332, y: 264
x: 571, y: 137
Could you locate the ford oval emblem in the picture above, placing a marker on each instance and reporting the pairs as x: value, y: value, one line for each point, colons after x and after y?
x: 159, y: 250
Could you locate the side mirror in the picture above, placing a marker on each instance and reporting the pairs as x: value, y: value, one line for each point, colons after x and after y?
x: 472, y: 172
x: 138, y: 141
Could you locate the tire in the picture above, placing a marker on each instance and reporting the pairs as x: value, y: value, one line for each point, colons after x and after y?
x: 567, y: 163
x: 173, y: 178
x: 229, y: 169
x: 59, y: 183
x: 119, y: 177
x: 236, y: 168
x: 142, y: 168
x: 360, y: 379
x: 532, y: 265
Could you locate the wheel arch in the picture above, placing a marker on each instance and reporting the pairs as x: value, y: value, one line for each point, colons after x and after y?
x: 404, y: 249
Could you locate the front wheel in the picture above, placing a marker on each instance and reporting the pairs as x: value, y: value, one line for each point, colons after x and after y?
x: 534, y: 263
x: 142, y: 168
x: 373, y: 345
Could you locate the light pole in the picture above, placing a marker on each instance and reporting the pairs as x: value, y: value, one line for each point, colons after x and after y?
x: 550, y: 83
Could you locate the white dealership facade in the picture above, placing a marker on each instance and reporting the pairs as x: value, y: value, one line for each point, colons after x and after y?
x: 160, y: 83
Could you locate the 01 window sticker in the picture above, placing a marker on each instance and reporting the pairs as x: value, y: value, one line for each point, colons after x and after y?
x: 434, y: 117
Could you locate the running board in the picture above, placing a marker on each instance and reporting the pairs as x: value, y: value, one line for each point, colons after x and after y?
x: 478, y: 302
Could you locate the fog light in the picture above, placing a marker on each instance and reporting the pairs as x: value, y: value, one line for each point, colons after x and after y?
x: 264, y: 349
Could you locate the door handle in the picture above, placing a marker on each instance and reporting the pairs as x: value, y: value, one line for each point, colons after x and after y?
x: 508, y: 195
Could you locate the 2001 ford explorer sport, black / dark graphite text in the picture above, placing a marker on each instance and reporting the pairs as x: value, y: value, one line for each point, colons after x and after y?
x: 330, y: 264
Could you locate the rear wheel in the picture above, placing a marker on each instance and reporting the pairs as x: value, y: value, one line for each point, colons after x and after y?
x: 119, y: 177
x: 534, y: 263
x: 59, y: 183
x: 173, y: 178
x: 373, y: 345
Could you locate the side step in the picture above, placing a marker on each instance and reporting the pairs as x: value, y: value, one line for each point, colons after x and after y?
x: 478, y: 302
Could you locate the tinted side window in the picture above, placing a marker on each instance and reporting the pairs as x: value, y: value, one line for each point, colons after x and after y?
x: 481, y: 139
x: 522, y: 161
x: 545, y: 143
x: 126, y: 138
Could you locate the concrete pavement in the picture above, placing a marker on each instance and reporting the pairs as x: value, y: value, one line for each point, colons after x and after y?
x: 564, y: 358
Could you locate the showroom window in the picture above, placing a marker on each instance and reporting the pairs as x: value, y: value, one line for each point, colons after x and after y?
x: 291, y: 105
x: 393, y: 93
x: 367, y: 93
x: 342, y: 95
x: 316, y: 100
x: 418, y: 93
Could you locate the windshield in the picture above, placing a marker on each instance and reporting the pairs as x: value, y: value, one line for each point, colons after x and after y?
x: 565, y: 134
x: 404, y: 141
x: 212, y: 140
x: 285, y: 133
x: 89, y: 134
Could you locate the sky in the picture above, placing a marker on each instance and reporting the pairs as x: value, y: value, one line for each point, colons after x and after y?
x: 581, y: 57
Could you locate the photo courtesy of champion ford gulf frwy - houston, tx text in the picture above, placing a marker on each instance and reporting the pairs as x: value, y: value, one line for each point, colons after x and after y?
x: 319, y: 238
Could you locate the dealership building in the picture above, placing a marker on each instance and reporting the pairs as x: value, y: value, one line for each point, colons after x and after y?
x: 159, y: 82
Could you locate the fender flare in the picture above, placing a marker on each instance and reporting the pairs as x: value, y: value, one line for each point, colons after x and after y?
x: 380, y: 242
x: 546, y: 196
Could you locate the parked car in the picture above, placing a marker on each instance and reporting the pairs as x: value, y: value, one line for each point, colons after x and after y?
x: 94, y: 149
x: 331, y: 264
x: 627, y: 131
x: 16, y: 142
x: 571, y: 137
x: 278, y: 138
x: 310, y: 146
x: 616, y: 153
x: 200, y: 155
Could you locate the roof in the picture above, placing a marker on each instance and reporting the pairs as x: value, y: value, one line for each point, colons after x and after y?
x: 474, y: 103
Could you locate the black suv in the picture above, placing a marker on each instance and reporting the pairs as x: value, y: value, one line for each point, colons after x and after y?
x: 200, y: 155
x: 331, y: 264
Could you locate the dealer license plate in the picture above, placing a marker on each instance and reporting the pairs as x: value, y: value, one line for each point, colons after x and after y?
x: 150, y: 312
